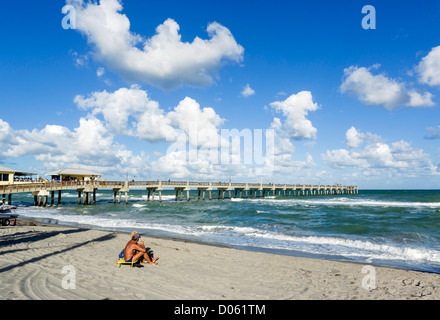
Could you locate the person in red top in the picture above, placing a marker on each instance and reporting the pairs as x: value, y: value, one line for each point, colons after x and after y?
x: 134, y: 251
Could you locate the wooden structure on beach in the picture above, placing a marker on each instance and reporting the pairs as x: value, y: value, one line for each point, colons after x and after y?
x: 87, y: 190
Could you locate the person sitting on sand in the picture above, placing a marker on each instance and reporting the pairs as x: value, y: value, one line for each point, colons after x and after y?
x: 134, y: 251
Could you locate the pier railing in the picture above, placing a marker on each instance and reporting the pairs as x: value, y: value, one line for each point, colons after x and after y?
x: 64, y: 185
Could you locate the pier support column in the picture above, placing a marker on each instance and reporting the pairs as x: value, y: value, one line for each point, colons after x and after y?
x: 94, y: 196
x: 126, y: 197
x: 79, y: 197
x: 44, y: 201
x: 35, y: 200
x: 52, y: 197
x: 198, y: 194
x: 59, y: 196
x: 4, y: 198
x: 148, y: 197
x: 181, y: 194
x: 204, y: 194
x: 120, y: 195
x: 160, y: 195
x: 187, y: 195
x: 210, y: 195
x: 114, y: 196
x: 10, y: 198
x: 152, y: 199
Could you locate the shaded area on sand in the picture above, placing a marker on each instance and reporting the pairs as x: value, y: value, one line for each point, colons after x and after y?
x: 32, y: 236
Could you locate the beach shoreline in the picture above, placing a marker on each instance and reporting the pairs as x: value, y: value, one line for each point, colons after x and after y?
x: 40, y: 261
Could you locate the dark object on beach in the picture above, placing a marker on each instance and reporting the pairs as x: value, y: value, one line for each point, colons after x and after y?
x: 150, y: 252
x: 5, y: 220
x: 6, y: 208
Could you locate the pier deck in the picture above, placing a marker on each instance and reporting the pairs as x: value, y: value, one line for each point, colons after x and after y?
x: 87, y: 189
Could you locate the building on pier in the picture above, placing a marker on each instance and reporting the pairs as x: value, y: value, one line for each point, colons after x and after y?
x: 69, y: 174
x: 10, y: 176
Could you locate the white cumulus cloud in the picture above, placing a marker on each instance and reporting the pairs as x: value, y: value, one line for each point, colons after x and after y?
x: 370, y: 154
x: 382, y: 90
x: 247, y: 91
x: 89, y: 145
x: 296, y: 109
x: 129, y: 111
x: 354, y: 138
x: 163, y: 60
x: 429, y: 68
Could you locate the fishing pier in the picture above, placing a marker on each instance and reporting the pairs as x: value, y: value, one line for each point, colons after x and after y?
x: 44, y: 192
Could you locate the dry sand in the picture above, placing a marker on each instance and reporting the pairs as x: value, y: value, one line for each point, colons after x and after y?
x: 32, y: 258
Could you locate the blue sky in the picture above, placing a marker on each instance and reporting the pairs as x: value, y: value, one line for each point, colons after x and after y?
x: 114, y: 94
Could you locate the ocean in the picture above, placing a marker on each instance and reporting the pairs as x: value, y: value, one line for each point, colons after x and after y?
x: 395, y: 228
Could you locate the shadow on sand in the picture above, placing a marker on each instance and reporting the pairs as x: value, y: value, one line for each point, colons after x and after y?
x: 32, y: 236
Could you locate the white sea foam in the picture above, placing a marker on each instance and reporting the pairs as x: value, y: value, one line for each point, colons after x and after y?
x: 348, y: 247
x: 110, y: 222
x: 139, y: 205
x: 349, y: 202
x: 165, y: 197
x: 216, y: 228
x: 325, y: 245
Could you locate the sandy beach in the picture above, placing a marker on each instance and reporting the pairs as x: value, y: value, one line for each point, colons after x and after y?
x: 56, y: 262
